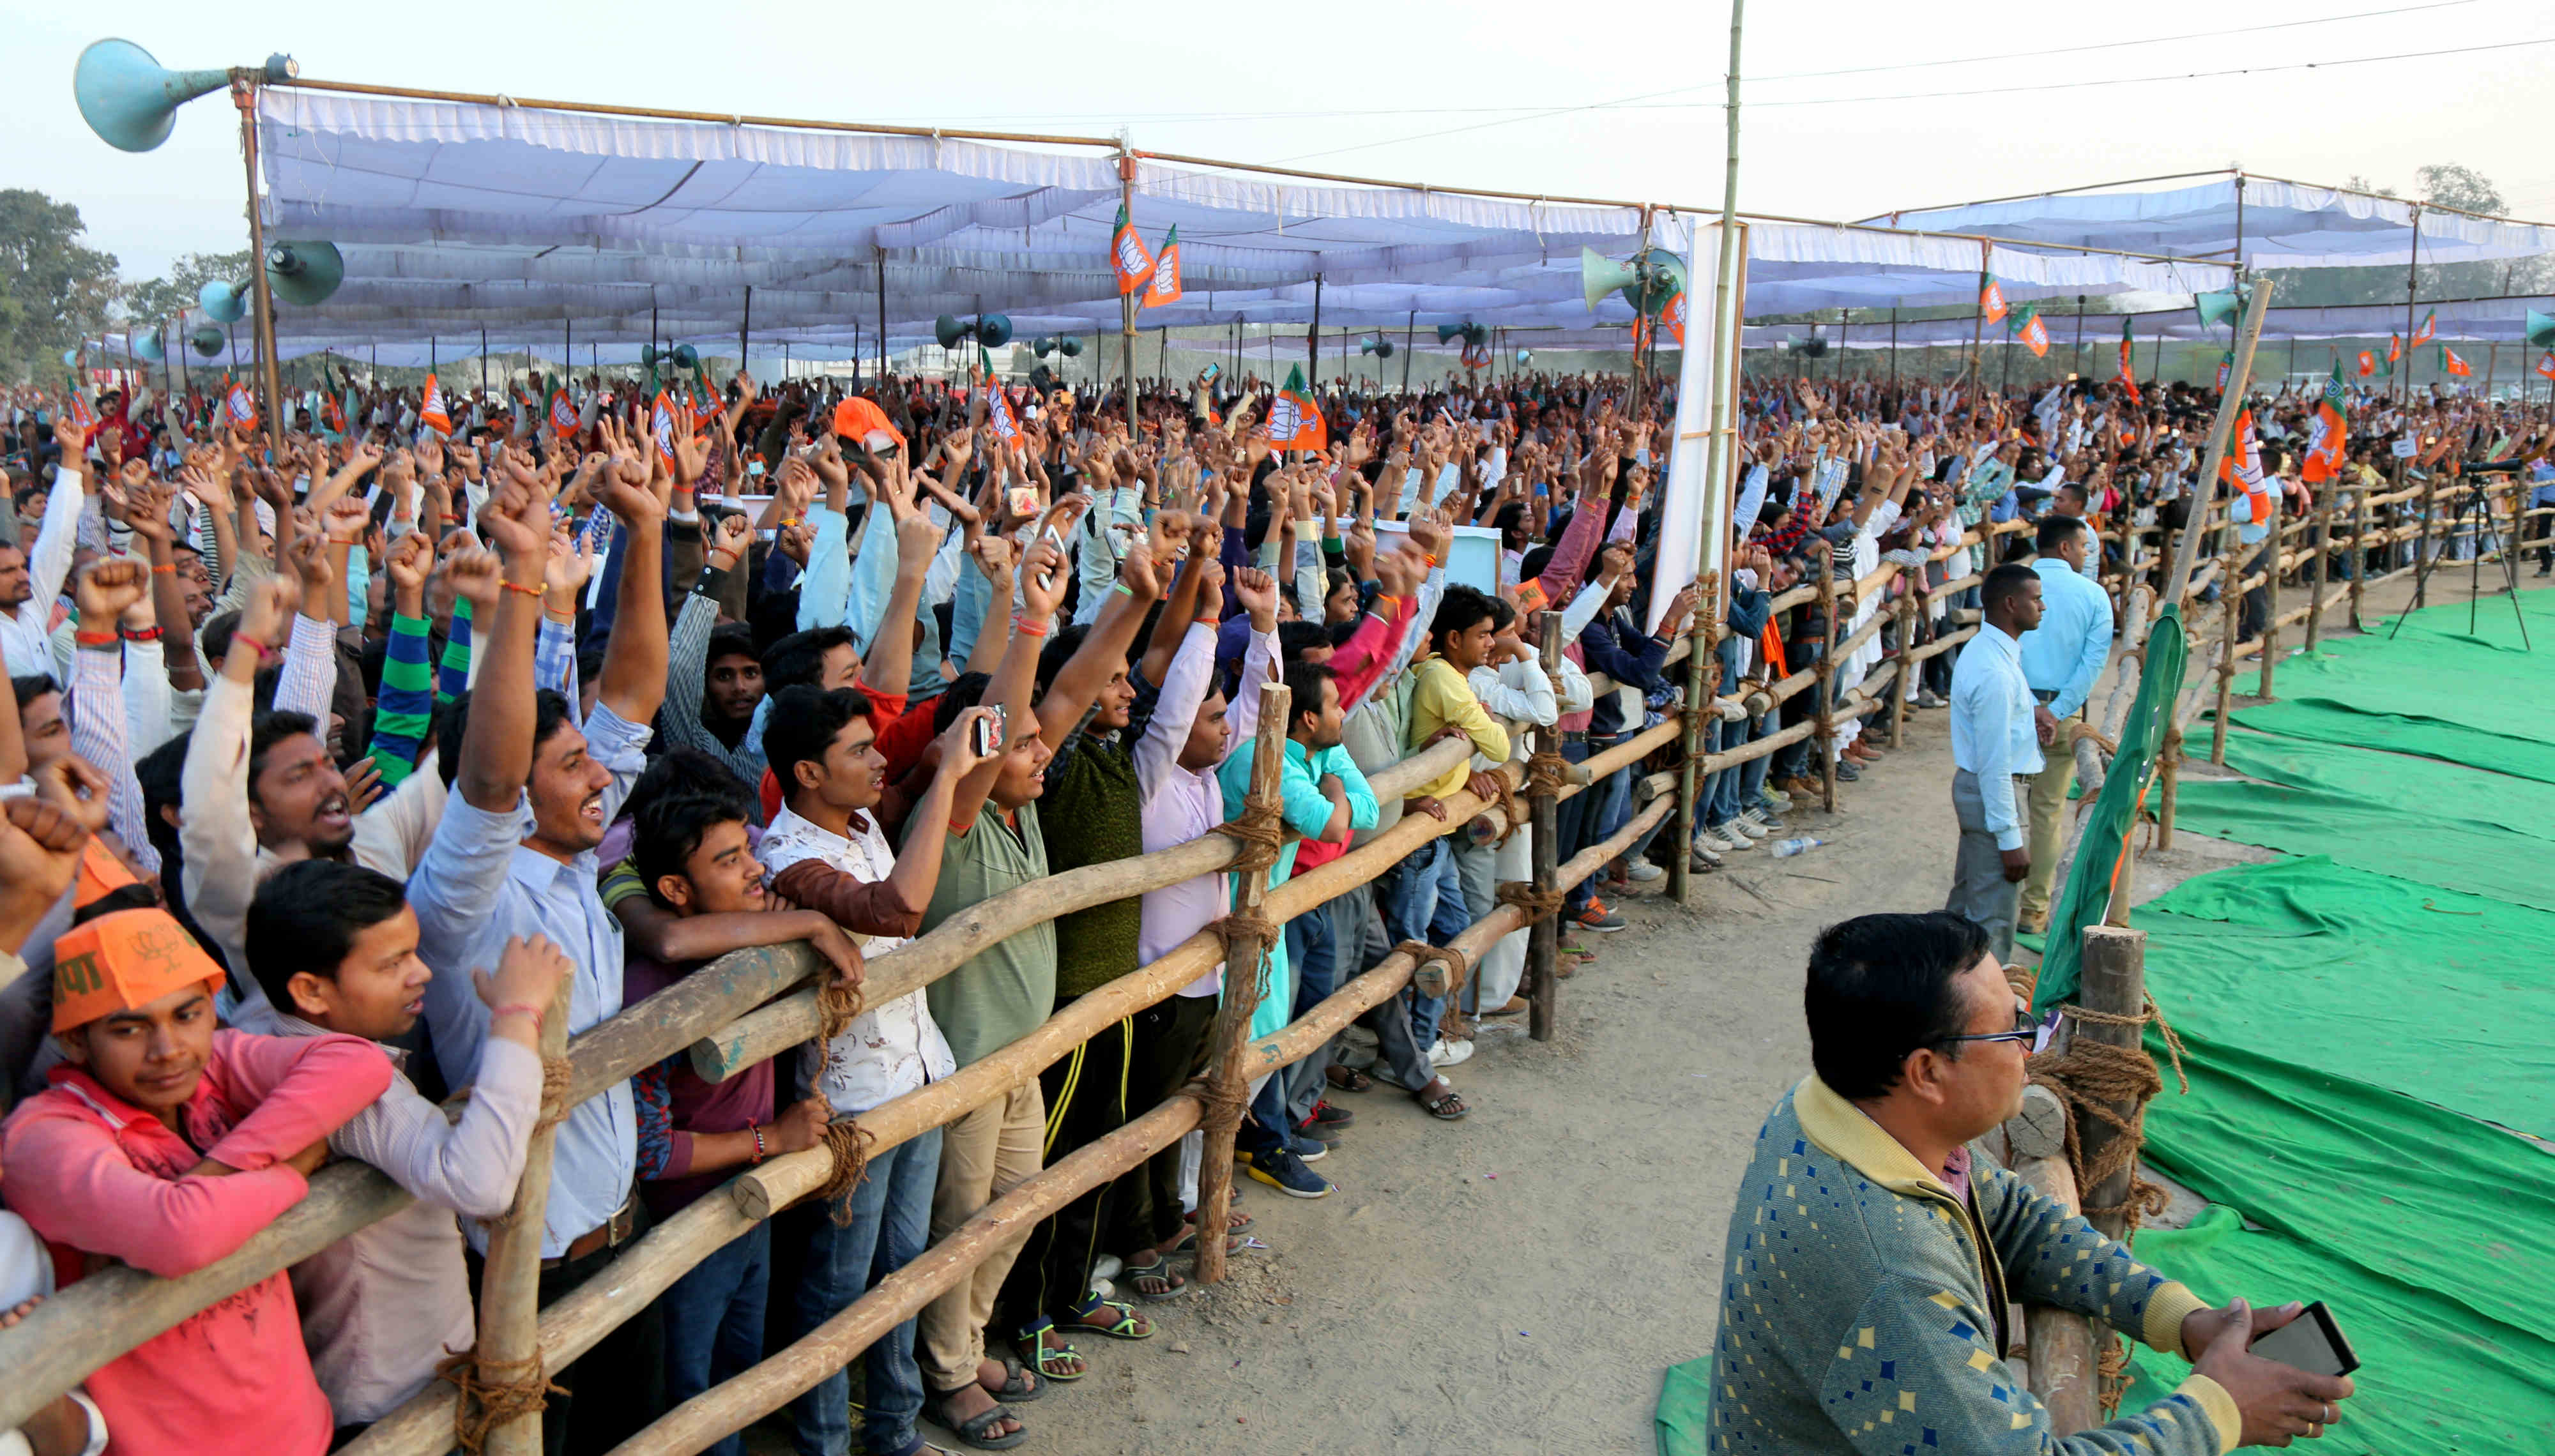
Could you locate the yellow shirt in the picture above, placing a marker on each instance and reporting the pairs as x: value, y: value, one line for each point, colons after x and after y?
x: 1443, y: 696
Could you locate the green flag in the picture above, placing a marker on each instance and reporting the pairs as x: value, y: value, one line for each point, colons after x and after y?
x: 2216, y: 307
x: 2104, y: 849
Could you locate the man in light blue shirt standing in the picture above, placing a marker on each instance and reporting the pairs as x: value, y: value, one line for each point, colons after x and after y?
x: 515, y: 855
x: 1996, y: 747
x: 2061, y: 659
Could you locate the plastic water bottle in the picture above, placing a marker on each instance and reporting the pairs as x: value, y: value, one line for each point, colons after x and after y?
x: 1785, y: 849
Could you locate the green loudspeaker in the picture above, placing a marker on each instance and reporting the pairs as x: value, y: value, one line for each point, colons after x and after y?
x: 148, y: 348
x: 949, y: 331
x: 2541, y: 329
x: 687, y: 357
x: 1469, y: 331
x: 207, y: 340
x: 1042, y: 345
x: 1071, y: 347
x: 993, y: 330
x: 1647, y: 284
x: 1525, y: 357
x: 1381, y: 348
x: 131, y: 100
x: 304, y: 274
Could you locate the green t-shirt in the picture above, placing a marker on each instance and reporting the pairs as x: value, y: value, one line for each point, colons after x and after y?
x: 1007, y: 990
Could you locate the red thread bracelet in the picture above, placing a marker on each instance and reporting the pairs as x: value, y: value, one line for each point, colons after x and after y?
x: 526, y: 1007
x: 1021, y: 624
x: 263, y: 651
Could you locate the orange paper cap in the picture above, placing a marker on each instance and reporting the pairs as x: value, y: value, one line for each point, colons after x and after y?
x: 101, y: 874
x: 122, y: 962
x: 855, y: 418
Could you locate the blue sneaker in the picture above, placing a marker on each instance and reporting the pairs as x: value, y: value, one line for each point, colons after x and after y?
x: 1310, y: 1149
x: 1286, y: 1173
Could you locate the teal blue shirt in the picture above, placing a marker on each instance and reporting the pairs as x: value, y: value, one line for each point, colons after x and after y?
x: 1306, y: 810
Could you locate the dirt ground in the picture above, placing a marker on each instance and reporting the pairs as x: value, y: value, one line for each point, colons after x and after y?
x: 1517, y: 1282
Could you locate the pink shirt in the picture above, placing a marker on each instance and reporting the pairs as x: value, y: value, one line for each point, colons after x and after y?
x: 96, y: 1176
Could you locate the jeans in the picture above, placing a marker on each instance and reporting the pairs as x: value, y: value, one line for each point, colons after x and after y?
x: 1422, y: 899
x: 714, y: 1322
x: 891, y: 1226
x: 1570, y: 819
x: 1312, y: 951
x: 1359, y: 941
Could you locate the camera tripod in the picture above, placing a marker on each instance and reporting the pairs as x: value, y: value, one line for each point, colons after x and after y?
x: 2487, y: 532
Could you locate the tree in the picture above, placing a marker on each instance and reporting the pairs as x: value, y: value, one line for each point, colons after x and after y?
x: 55, y: 290
x: 2450, y: 185
x: 163, y: 298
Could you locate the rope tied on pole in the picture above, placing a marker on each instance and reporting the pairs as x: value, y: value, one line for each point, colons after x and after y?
x: 1537, y: 903
x: 1435, y: 971
x: 494, y: 1393
x: 1258, y: 835
x: 1546, y: 773
x: 2090, y: 1077
x: 847, y: 1143
x: 553, y: 1110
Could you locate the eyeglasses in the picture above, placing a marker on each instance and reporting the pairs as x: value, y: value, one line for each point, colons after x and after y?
x: 2027, y: 1028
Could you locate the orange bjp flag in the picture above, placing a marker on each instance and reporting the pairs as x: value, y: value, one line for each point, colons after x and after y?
x: 1128, y: 256
x: 1164, y: 285
x: 432, y: 414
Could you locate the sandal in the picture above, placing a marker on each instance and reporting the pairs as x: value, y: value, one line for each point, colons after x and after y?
x: 1170, y: 1285
x: 972, y: 1430
x: 1447, y: 1107
x: 1018, y: 1387
x: 1046, y: 1358
x: 1235, y: 1221
x: 1348, y: 1079
x: 1127, y: 1326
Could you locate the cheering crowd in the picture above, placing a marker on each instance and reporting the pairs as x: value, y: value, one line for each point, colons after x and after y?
x: 332, y: 764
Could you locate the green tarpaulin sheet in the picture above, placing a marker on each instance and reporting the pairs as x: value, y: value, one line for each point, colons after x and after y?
x: 2445, y: 996
x: 2431, y: 788
x: 2372, y: 832
x: 2434, y: 1380
x: 2434, y: 689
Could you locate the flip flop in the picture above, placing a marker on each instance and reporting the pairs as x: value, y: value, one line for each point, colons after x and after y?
x: 1158, y: 1271
x: 972, y: 1430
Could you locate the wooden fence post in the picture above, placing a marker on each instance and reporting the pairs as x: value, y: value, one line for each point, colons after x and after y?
x: 1247, y: 944
x: 2113, y: 984
x: 1544, y: 819
x: 1899, y: 689
x: 2271, y: 651
x: 2358, y: 548
x: 2324, y: 554
x: 2168, y: 775
x: 2063, y: 1366
x: 2231, y: 602
x: 1825, y: 686
x: 1702, y: 677
x: 508, y: 1358
x: 2421, y: 544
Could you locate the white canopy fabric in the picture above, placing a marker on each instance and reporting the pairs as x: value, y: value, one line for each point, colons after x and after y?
x: 2477, y: 320
x: 591, y: 231
x: 2274, y: 223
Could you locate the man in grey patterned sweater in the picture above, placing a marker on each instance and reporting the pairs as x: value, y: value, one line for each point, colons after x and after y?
x: 1869, y: 1262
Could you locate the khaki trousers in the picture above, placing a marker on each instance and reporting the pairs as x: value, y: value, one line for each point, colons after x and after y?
x: 2049, y: 820
x: 983, y: 1155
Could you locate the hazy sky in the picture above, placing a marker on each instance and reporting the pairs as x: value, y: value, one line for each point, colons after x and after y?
x: 1389, y: 75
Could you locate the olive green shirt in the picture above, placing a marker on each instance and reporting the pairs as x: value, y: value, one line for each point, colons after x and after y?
x: 1006, y: 990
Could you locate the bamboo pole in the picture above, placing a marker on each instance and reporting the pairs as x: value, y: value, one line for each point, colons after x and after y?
x: 1826, y: 684
x: 510, y: 1279
x: 262, y: 331
x: 2168, y: 785
x: 1543, y: 943
x: 1246, y: 965
x: 2186, y: 549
